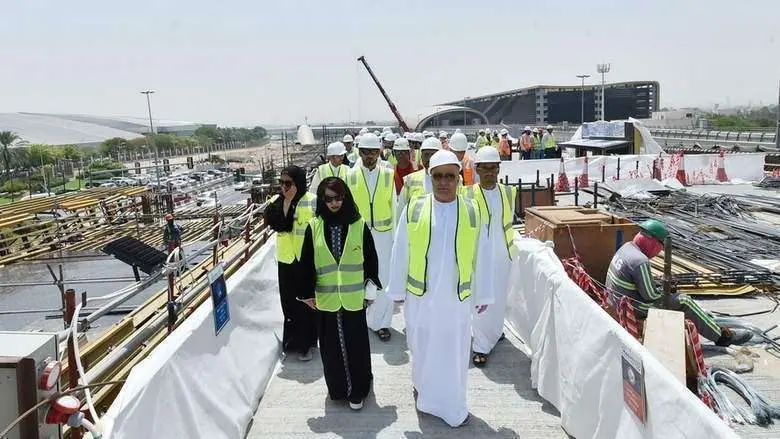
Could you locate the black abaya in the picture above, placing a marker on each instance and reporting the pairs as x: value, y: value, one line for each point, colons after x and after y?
x: 344, y: 334
x: 300, y: 321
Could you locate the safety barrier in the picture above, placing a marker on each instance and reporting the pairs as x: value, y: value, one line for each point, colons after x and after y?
x: 700, y: 168
x: 576, y: 351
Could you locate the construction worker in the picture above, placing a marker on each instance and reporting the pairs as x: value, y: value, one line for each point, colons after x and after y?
x: 538, y: 148
x: 497, y: 205
x: 445, y: 144
x: 427, y: 134
x: 419, y: 182
x: 495, y: 139
x: 404, y: 165
x: 333, y: 168
x: 438, y: 273
x: 629, y: 275
x: 550, y: 144
x: 504, y: 147
x: 387, y: 152
x: 288, y: 214
x: 526, y: 144
x: 415, y: 142
x: 482, y: 140
x: 373, y: 188
x: 352, y: 152
x: 171, y: 233
x: 458, y: 145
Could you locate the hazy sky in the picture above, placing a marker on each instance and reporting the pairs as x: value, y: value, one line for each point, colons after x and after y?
x: 275, y: 62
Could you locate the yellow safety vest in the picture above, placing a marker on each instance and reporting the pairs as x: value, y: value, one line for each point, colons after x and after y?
x: 339, y: 284
x: 289, y: 244
x: 418, y: 228
x: 377, y: 208
x: 508, y: 197
x: 550, y: 142
x: 413, y: 185
x: 537, y: 143
x: 325, y: 171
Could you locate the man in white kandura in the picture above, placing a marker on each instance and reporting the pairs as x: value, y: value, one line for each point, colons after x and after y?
x: 437, y: 271
x: 373, y: 188
x: 497, y: 205
x: 334, y: 167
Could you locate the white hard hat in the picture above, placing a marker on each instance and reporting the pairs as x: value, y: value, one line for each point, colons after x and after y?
x: 487, y: 155
x: 401, y: 145
x: 549, y: 127
x: 459, y: 142
x: 527, y: 128
x: 369, y: 141
x: 348, y: 139
x: 336, y: 148
x: 443, y: 157
x: 442, y: 134
x: 431, y: 143
x: 535, y: 130
x: 418, y: 137
x: 363, y: 130
x: 481, y: 131
x: 458, y: 130
x: 407, y: 135
x: 427, y: 134
x: 504, y: 132
x: 377, y: 133
x: 357, y: 139
x: 390, y: 137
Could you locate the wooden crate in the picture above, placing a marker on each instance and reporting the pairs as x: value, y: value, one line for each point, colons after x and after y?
x: 597, y: 235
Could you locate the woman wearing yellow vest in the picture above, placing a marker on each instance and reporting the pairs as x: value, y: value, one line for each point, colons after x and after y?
x: 289, y: 215
x: 340, y: 277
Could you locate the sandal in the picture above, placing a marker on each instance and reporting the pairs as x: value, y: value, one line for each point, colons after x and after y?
x: 479, y: 360
x: 383, y: 334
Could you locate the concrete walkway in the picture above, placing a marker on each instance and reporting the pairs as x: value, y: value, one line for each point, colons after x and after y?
x: 502, y: 403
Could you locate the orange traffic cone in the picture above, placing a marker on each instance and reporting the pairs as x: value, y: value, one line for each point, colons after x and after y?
x: 720, y: 175
x: 681, y: 175
x: 584, y: 182
x: 562, y: 185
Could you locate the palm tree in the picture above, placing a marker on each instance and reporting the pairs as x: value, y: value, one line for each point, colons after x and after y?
x: 6, y: 139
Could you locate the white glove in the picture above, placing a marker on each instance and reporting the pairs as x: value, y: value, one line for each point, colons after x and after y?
x: 370, y: 291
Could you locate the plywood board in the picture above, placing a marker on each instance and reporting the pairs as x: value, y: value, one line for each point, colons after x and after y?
x: 665, y: 339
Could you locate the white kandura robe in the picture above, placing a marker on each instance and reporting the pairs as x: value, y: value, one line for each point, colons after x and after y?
x: 438, y: 324
x: 488, y: 326
x: 380, y: 313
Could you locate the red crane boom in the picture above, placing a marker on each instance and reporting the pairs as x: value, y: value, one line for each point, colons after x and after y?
x: 393, y: 108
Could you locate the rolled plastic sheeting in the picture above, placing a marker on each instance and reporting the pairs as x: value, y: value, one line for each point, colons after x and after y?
x: 576, y: 350
x: 196, y: 384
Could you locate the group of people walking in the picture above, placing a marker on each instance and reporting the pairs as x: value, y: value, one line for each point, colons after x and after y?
x: 395, y: 220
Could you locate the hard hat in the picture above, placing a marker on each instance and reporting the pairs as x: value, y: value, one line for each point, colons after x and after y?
x: 431, y: 143
x: 407, y: 135
x: 377, y: 133
x: 390, y: 137
x: 443, y: 157
x: 481, y: 131
x: 369, y: 141
x: 363, y: 130
x: 504, y: 132
x: 357, y: 139
x: 655, y: 229
x: 458, y: 130
x: 442, y: 134
x: 527, y: 128
x: 336, y: 148
x: 534, y: 130
x: 549, y: 127
x: 347, y: 139
x: 401, y: 145
x: 418, y: 137
x: 487, y: 155
x: 168, y: 216
x: 459, y: 142
x: 427, y: 134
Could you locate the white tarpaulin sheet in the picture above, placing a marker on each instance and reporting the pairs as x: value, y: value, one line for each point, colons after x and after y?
x: 575, y: 350
x: 196, y: 384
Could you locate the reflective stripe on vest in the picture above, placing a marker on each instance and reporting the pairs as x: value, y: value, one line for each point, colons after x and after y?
x: 289, y: 244
x: 325, y: 170
x: 414, y: 185
x: 508, y: 197
x: 339, y: 284
x: 419, y: 233
x: 377, y: 208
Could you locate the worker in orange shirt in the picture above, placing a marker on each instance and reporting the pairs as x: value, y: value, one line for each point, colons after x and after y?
x: 459, y: 144
x: 526, y: 143
x: 504, y: 147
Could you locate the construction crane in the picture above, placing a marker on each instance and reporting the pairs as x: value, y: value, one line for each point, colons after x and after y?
x: 397, y: 115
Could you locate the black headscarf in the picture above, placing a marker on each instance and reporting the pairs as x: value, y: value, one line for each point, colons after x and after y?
x: 348, y: 213
x: 298, y: 176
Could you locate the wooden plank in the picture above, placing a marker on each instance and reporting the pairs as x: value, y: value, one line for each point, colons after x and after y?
x: 665, y: 339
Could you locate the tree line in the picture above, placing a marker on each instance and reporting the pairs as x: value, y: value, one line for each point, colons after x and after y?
x: 764, y: 117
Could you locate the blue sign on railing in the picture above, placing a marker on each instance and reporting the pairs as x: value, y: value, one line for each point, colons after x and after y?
x: 219, y: 297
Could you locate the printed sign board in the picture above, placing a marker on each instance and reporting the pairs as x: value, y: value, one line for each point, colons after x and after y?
x: 616, y: 129
x: 634, y: 385
x: 219, y: 298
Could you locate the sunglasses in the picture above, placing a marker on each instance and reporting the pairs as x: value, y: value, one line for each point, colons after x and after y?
x: 286, y: 183
x: 329, y: 199
x: 444, y: 176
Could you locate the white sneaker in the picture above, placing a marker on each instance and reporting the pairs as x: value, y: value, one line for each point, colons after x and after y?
x: 305, y: 356
x: 356, y: 405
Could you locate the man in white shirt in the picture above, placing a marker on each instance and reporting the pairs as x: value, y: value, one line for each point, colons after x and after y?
x: 333, y: 168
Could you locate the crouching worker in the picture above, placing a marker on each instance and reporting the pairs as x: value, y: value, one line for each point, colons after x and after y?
x: 629, y: 275
x: 340, y: 277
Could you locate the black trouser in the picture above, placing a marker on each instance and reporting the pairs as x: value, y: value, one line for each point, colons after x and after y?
x: 300, y: 321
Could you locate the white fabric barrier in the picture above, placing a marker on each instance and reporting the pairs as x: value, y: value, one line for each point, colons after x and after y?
x: 196, y: 384
x: 699, y: 168
x: 576, y: 353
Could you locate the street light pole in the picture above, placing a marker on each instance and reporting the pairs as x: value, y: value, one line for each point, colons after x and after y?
x: 582, y: 98
x: 603, y: 69
x: 151, y: 138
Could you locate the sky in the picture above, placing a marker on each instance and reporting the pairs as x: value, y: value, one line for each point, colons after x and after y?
x: 260, y: 62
